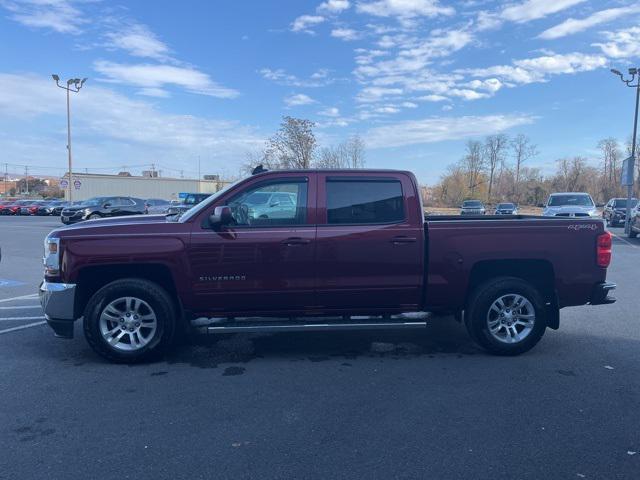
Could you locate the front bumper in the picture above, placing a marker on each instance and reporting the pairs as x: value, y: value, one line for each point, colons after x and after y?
x: 600, y: 294
x: 58, y: 303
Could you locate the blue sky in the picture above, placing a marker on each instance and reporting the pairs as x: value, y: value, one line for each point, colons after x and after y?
x: 173, y: 81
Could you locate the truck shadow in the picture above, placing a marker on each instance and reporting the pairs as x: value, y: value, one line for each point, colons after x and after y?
x: 441, y: 336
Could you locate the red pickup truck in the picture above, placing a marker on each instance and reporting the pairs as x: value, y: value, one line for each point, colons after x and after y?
x: 319, y: 250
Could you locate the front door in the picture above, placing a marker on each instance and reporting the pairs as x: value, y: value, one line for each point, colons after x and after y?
x: 369, y: 251
x: 264, y: 261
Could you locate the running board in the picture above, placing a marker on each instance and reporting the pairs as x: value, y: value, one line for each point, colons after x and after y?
x: 237, y: 327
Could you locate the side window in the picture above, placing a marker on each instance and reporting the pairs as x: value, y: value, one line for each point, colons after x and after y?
x: 271, y: 204
x: 364, y: 201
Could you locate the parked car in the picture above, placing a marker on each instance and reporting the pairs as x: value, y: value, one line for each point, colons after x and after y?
x: 191, y: 200
x: 4, y: 204
x: 270, y: 204
x: 15, y: 207
x: 357, y: 243
x: 506, y: 209
x: 100, y: 207
x: 51, y: 207
x: 570, y: 204
x: 31, y: 208
x: 615, y: 211
x: 472, y: 207
x: 156, y: 206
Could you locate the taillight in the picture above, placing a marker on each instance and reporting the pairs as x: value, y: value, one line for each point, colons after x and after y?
x: 603, y: 250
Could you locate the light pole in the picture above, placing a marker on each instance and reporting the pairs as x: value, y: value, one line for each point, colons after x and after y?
x: 77, y: 83
x: 635, y: 75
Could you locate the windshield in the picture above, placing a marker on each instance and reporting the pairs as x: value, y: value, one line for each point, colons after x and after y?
x: 472, y: 204
x: 506, y: 205
x: 622, y: 203
x: 186, y: 216
x: 570, y: 200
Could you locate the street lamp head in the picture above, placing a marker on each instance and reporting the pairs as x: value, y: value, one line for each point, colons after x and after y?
x: 70, y: 81
x: 82, y: 81
x: 55, y: 77
x: 633, y: 71
x: 616, y: 72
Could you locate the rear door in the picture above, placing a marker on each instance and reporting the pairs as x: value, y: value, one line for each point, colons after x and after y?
x: 369, y: 242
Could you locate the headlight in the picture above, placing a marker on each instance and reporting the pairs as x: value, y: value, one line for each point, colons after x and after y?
x: 51, y: 258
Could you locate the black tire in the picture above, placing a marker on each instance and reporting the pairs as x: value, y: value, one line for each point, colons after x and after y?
x: 480, y: 302
x: 94, y: 216
x: 632, y: 232
x: 151, y: 293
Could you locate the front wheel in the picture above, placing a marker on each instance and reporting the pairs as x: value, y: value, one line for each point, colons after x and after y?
x: 130, y: 321
x: 94, y: 216
x: 506, y: 316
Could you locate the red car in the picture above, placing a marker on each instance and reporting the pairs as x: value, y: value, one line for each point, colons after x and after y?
x: 14, y: 208
x: 352, y: 246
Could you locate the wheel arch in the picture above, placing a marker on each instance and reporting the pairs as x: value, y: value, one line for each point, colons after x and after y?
x: 92, y: 278
x: 539, y: 273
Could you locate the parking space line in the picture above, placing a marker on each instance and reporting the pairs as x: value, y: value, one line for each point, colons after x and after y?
x: 23, y: 297
x: 624, y: 240
x: 22, y: 307
x: 13, y: 319
x: 21, y: 327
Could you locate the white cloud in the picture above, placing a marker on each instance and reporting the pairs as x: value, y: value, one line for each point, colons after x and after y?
x: 330, y: 112
x: 157, y: 76
x: 621, y: 44
x: 535, y: 9
x: 334, y: 6
x: 346, y: 34
x: 438, y: 129
x: 374, y: 94
x: 298, y: 99
x: 433, y: 98
x: 139, y: 41
x: 304, y: 22
x: 319, y: 78
x: 572, y: 25
x: 134, y: 128
x: 404, y: 8
x: 57, y: 15
x: 538, y: 69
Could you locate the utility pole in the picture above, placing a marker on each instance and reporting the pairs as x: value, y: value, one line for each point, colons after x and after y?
x: 77, y: 83
x: 635, y: 75
x: 26, y: 178
x: 199, y: 176
x: 6, y: 178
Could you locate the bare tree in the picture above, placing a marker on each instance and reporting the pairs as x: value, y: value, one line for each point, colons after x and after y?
x: 292, y: 146
x: 473, y: 165
x: 355, y: 147
x: 610, y: 159
x: 348, y: 154
x: 523, y: 150
x: 494, y: 150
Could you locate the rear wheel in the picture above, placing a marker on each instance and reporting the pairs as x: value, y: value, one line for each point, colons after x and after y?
x: 632, y: 232
x: 130, y: 321
x: 506, y: 316
x: 94, y: 216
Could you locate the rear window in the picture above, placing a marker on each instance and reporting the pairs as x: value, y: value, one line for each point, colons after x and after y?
x: 364, y: 201
x: 505, y: 205
x: 472, y: 204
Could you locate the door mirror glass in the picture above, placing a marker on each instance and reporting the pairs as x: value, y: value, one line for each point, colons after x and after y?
x: 106, y: 205
x: 221, y: 216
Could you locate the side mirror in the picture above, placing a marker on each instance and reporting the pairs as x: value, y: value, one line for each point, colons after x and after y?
x: 275, y: 204
x: 221, y: 216
x: 106, y: 205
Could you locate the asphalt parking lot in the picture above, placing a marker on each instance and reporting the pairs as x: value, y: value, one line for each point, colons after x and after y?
x: 410, y: 405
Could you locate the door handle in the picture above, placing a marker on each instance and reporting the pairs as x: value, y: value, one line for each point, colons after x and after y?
x: 403, y: 239
x: 292, y: 241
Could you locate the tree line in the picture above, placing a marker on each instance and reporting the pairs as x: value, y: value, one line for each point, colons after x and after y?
x: 495, y: 170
